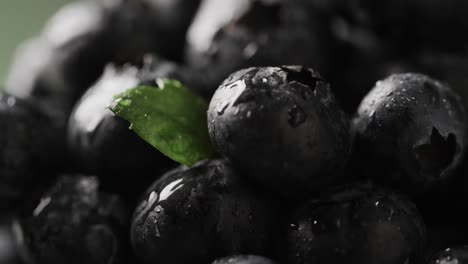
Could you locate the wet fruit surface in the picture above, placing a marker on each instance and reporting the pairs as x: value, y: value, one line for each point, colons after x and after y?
x: 78, y: 223
x: 457, y: 255
x: 84, y: 36
x: 26, y: 133
x: 228, y: 37
x: 102, y: 143
x: 412, y: 128
x: 245, y: 259
x: 206, y: 212
x: 282, y: 127
x: 356, y: 224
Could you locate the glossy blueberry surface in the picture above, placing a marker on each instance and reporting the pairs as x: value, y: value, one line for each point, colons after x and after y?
x: 456, y: 255
x: 74, y: 47
x: 75, y: 223
x: 199, y: 214
x: 244, y: 259
x: 232, y: 35
x: 282, y: 127
x: 31, y: 149
x: 355, y: 224
x: 413, y: 131
x: 101, y: 143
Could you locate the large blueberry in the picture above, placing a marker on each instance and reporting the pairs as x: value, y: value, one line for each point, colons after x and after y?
x: 199, y: 214
x: 102, y: 144
x: 32, y: 140
x: 357, y: 225
x: 75, y: 223
x: 282, y: 127
x: 412, y: 130
x: 230, y: 35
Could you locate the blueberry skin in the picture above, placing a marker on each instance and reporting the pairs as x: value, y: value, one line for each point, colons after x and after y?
x: 197, y: 215
x: 412, y: 129
x: 82, y: 37
x: 451, y: 255
x: 75, y: 223
x: 31, y: 149
x: 282, y: 127
x: 69, y: 55
x: 256, y: 33
x: 355, y: 224
x: 447, y: 67
x: 244, y: 259
x: 102, y: 144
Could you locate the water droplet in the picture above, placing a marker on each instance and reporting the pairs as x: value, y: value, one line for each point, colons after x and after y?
x: 377, y: 203
x: 249, y: 114
x: 222, y: 109
x: 293, y: 227
x: 296, y: 116
x: 315, y: 222
x: 42, y: 205
x: 264, y: 80
x: 158, y: 209
x: 126, y: 102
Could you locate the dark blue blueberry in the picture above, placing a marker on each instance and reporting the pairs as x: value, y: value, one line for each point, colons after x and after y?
x: 199, y: 214
x: 75, y: 223
x: 282, y: 127
x: 412, y: 132
x: 357, y: 225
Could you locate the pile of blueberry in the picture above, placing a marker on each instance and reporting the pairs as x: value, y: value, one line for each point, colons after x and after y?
x: 340, y: 128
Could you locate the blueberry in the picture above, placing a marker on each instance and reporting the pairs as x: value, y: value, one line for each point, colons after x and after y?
x: 84, y: 36
x: 355, y: 224
x: 199, y: 214
x: 282, y: 126
x: 244, y: 259
x: 447, y: 67
x: 228, y: 36
x: 31, y: 149
x: 412, y: 129
x: 68, y: 57
x: 457, y: 255
x: 102, y: 144
x: 75, y: 223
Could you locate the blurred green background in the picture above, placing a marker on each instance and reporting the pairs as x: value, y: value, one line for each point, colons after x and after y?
x: 19, y: 20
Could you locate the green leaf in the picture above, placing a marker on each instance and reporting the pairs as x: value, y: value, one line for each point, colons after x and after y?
x: 170, y: 118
